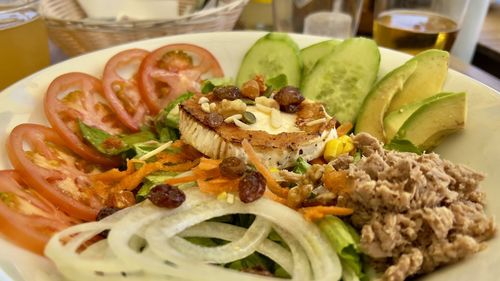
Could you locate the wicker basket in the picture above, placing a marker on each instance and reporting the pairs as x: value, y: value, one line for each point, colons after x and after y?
x: 69, y: 28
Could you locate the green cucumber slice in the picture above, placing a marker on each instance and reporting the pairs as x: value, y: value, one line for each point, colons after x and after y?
x: 312, y: 54
x: 342, y: 79
x: 270, y: 56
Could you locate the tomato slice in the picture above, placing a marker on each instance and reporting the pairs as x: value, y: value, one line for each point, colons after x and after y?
x: 121, y: 89
x: 171, y: 70
x: 78, y: 96
x: 59, y: 175
x: 26, y: 217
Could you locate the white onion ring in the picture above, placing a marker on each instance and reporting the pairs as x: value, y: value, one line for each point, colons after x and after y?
x: 231, y: 232
x: 235, y: 250
x: 313, y: 257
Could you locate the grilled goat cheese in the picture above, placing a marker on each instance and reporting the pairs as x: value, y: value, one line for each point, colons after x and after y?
x: 298, y: 134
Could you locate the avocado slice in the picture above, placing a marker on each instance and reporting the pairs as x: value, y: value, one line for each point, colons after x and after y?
x: 426, y: 81
x: 371, y: 115
x: 310, y: 55
x: 394, y: 120
x: 434, y: 119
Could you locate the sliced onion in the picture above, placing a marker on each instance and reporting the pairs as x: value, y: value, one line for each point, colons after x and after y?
x: 301, y: 266
x: 230, y: 232
x: 138, y: 243
x: 238, y: 249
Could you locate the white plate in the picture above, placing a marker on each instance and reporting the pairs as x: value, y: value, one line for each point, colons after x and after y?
x: 478, y: 146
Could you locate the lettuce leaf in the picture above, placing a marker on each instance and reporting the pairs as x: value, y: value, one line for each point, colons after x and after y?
x: 301, y: 166
x: 345, y: 241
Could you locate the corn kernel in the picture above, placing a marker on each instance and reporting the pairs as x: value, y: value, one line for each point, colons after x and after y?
x: 222, y: 196
x: 273, y: 170
x: 333, y: 149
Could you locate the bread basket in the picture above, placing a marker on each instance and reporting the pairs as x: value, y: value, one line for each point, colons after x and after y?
x: 74, y: 33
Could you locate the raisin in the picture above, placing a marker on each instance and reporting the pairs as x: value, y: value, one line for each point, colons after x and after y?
x: 289, y: 98
x: 291, y: 108
x: 232, y: 167
x: 167, y: 196
x: 227, y: 92
x: 252, y: 186
x: 105, y: 212
x: 214, y: 119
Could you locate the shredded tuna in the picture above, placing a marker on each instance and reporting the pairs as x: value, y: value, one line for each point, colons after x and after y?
x: 415, y: 212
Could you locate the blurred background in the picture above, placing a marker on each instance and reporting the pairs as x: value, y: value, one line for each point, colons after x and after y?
x: 37, y: 33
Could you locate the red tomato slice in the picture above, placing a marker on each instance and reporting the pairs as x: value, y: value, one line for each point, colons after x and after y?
x: 172, y: 70
x: 26, y: 217
x: 62, y: 177
x: 122, y: 92
x: 78, y: 96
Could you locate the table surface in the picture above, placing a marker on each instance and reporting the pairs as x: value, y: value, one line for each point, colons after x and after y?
x: 489, y: 39
x: 474, y: 72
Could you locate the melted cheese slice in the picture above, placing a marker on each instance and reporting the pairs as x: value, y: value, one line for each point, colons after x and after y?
x: 263, y: 122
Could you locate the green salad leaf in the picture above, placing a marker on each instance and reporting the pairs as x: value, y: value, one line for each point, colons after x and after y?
x: 277, y: 82
x: 403, y: 146
x: 345, y: 241
x: 113, y: 144
x: 151, y: 181
x: 167, y: 121
x: 209, y: 85
x: 301, y: 166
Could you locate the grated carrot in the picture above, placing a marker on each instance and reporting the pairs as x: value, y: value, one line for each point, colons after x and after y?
x: 318, y: 212
x: 274, y: 197
x: 114, y: 174
x: 208, y: 164
x: 133, y: 180
x: 344, y: 129
x: 271, y: 182
x: 181, y: 167
x: 179, y: 180
x: 218, y: 185
x: 320, y: 160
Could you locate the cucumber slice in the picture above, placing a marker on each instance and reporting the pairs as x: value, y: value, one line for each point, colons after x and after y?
x: 310, y: 55
x: 270, y: 56
x: 342, y: 79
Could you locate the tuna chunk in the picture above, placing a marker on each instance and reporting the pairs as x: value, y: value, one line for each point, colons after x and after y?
x: 415, y: 212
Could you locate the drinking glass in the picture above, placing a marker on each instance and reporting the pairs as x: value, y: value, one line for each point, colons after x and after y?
x: 333, y: 18
x: 24, y: 45
x: 413, y: 26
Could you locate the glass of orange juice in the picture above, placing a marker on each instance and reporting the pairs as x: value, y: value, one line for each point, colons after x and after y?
x: 412, y: 26
x: 24, y: 44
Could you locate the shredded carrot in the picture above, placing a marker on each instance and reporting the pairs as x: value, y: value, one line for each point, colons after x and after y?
x: 319, y: 160
x: 133, y: 180
x: 170, y: 158
x: 114, y: 174
x: 318, y: 212
x: 218, y: 185
x: 179, y: 180
x: 206, y: 174
x: 181, y: 167
x: 344, y: 129
x: 275, y: 197
x: 271, y: 182
x: 209, y: 164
